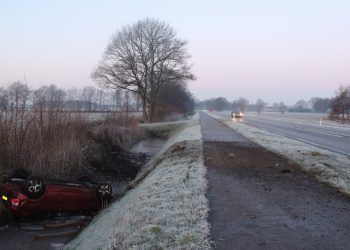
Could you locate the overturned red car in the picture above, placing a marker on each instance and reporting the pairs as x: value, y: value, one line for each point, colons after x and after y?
x: 24, y: 195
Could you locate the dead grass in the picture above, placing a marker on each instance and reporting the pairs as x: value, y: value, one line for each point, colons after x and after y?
x: 45, y: 143
x: 119, y: 130
x: 163, y: 130
x: 54, y: 144
x: 315, y: 153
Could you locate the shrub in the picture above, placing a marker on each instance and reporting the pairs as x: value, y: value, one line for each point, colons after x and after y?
x: 46, y: 143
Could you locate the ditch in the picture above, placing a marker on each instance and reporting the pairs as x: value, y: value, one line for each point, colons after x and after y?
x: 54, y: 232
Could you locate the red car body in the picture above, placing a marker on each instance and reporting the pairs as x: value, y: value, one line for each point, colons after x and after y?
x: 57, y: 197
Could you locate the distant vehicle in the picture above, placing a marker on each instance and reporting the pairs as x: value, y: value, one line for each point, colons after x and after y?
x: 25, y: 195
x: 236, y: 115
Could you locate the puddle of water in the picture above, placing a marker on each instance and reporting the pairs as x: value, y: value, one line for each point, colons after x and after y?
x: 148, y: 145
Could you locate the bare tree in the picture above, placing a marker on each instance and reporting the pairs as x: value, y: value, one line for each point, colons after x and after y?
x: 49, y: 98
x: 136, y: 97
x: 73, y: 102
x: 322, y: 104
x: 100, y: 96
x: 282, y: 107
x: 18, y: 93
x: 176, y: 99
x: 142, y: 58
x: 241, y: 103
x: 116, y: 98
x: 3, y: 99
x: 88, y: 95
x: 260, y: 104
x: 341, y: 103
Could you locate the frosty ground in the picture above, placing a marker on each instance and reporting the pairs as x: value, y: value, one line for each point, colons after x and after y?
x: 167, y: 207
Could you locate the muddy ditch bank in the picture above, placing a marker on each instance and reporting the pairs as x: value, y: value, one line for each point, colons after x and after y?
x: 260, y: 200
x: 54, y: 231
x: 164, y: 209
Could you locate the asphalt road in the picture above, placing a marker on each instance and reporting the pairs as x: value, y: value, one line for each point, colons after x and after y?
x: 330, y: 137
x: 259, y: 200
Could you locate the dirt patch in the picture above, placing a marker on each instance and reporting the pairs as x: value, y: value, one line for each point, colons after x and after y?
x: 261, y: 200
x: 248, y: 159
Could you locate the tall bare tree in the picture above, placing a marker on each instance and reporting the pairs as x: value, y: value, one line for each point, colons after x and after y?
x: 241, y: 103
x: 88, y: 95
x: 260, y: 104
x: 341, y: 103
x: 282, y: 107
x: 142, y: 58
x: 117, y: 96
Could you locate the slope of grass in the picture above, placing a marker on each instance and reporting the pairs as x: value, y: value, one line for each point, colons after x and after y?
x: 166, y: 209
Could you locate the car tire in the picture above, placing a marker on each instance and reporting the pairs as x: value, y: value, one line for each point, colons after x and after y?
x: 104, y: 191
x: 34, y: 187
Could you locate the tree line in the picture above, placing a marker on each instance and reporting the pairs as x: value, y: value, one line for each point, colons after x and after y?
x: 338, y: 107
x: 172, y: 99
x: 50, y: 97
x: 240, y: 104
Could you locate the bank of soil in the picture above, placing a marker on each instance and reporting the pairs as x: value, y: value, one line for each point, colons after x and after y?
x: 116, y: 166
x: 259, y: 200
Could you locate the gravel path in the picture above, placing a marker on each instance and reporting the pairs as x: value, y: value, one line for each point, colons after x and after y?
x: 259, y: 200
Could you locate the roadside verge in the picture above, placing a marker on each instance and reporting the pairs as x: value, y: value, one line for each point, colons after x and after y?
x: 166, y: 208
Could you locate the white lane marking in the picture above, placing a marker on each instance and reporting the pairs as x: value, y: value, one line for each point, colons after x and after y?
x: 320, y: 132
x: 306, y: 129
x: 302, y: 140
x: 308, y: 142
x: 323, y: 147
x: 286, y: 120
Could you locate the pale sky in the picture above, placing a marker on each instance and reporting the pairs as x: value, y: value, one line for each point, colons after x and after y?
x: 274, y: 50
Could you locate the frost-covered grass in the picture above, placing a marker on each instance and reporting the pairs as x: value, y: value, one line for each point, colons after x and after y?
x: 166, y: 209
x: 191, y: 132
x: 162, y: 129
x: 326, y: 166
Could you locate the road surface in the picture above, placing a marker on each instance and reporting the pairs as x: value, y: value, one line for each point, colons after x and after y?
x: 258, y: 200
x: 330, y: 137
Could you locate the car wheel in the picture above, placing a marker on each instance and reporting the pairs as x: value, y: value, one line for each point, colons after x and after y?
x: 33, y: 187
x: 104, y: 191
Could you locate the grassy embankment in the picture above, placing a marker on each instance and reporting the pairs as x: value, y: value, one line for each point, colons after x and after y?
x: 166, y: 207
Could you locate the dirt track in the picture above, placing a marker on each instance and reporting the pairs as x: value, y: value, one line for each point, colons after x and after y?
x: 259, y: 200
